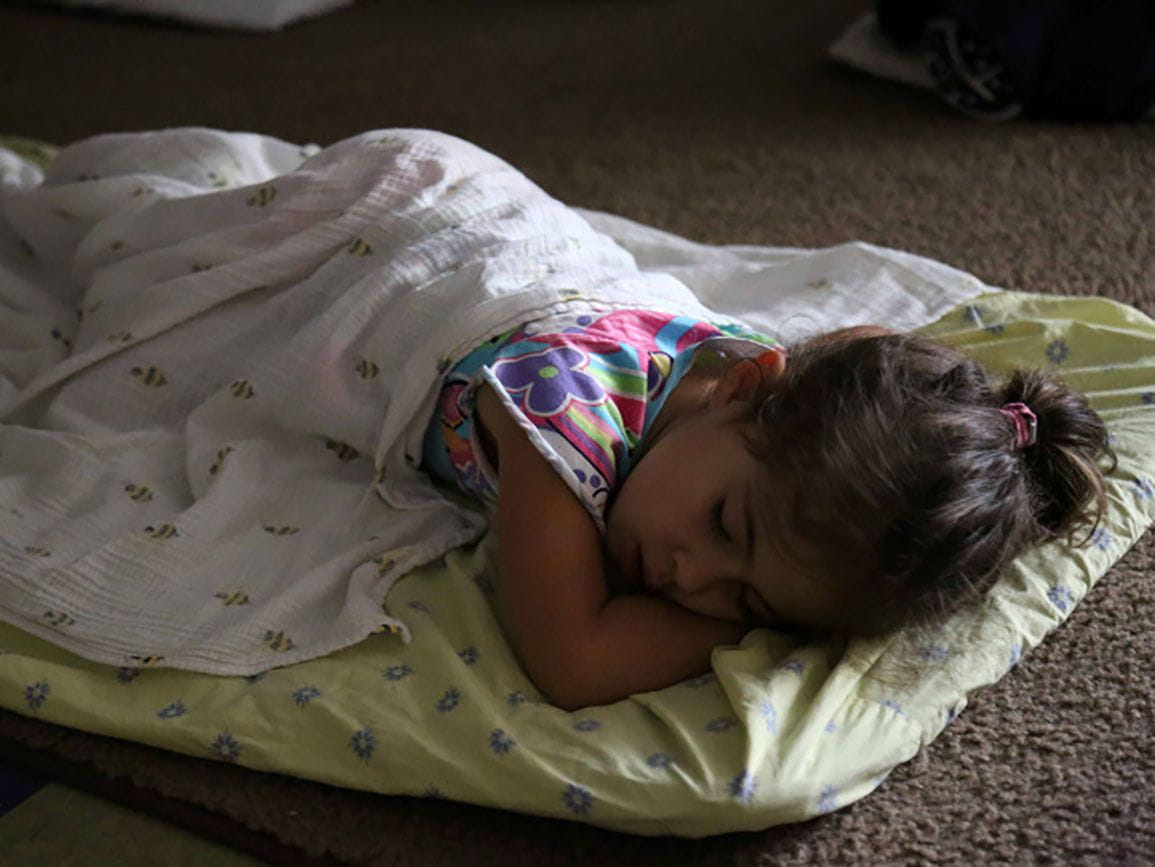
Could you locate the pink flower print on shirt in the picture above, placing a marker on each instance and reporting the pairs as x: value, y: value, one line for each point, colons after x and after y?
x: 548, y: 381
x: 657, y: 372
x: 449, y: 403
x: 640, y: 329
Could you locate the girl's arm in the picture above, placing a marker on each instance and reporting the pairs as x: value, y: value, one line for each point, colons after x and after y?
x: 579, y: 645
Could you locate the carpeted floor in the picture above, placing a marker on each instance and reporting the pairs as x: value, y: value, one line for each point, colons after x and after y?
x: 721, y: 121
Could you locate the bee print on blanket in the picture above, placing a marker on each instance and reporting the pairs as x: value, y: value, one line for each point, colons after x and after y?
x: 366, y: 369
x: 343, y: 451
x: 58, y: 619
x: 281, y: 530
x: 219, y: 463
x: 243, y: 389
x: 147, y: 661
x: 138, y: 493
x: 278, y: 641
x: 359, y: 247
x: 262, y: 197
x: 150, y: 376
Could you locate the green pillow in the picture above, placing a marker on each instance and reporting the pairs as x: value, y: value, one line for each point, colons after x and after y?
x: 38, y: 152
x: 779, y: 732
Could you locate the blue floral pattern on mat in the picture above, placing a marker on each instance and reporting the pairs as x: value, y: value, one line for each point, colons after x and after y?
x: 305, y: 694
x: 35, y: 694
x: 743, y: 786
x: 226, y: 747
x: 500, y: 743
x: 363, y: 742
x: 577, y: 799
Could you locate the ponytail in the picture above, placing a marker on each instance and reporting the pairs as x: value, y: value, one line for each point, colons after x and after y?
x: 1065, y: 479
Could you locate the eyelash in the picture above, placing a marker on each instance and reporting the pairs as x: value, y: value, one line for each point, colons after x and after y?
x: 720, y: 530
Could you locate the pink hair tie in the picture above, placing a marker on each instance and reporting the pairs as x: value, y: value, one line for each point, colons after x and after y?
x: 1026, y: 423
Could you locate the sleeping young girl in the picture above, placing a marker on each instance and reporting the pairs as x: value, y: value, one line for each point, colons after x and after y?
x: 662, y: 486
x: 244, y: 346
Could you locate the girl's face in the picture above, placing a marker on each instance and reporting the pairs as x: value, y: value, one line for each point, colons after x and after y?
x: 690, y: 524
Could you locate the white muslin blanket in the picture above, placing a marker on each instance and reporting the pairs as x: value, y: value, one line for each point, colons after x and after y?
x: 219, y: 352
x: 259, y: 15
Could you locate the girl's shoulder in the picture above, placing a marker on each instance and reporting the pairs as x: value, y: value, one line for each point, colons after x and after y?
x: 584, y: 385
x: 624, y: 359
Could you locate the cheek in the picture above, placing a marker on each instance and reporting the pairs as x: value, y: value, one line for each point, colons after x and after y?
x: 641, y: 514
x: 717, y: 604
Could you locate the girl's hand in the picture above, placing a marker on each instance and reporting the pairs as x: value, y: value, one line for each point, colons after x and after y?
x: 579, y: 645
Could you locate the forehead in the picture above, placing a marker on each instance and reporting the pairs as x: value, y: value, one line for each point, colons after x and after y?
x: 712, y: 447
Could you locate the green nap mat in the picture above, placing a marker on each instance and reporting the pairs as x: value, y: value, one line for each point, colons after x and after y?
x: 779, y: 732
x: 63, y: 827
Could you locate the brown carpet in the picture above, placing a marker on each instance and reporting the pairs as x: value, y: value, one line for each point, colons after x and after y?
x: 722, y: 121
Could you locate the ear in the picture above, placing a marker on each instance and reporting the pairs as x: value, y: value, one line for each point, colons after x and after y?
x: 746, y: 377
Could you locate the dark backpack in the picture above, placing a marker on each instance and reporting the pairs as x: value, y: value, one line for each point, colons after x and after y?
x: 1060, y: 59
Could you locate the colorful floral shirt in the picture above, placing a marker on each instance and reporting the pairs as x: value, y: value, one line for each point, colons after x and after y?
x: 585, y: 387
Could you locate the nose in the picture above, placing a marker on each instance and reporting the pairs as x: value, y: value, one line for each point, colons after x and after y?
x: 695, y: 574
x: 703, y: 580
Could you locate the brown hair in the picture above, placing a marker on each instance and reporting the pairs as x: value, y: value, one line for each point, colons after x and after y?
x: 904, y: 477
